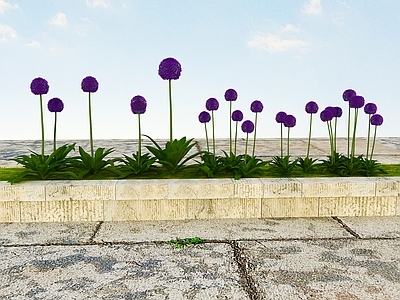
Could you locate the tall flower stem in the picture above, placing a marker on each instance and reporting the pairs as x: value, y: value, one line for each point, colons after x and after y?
x: 309, y: 137
x: 373, y: 143
x: 230, y: 127
x: 55, y: 132
x: 330, y: 137
x: 288, y: 134
x: 236, y: 135
x: 247, y: 142
x: 42, y: 124
x: 369, y: 133
x: 353, y: 142
x: 213, y: 131
x: 170, y: 110
x: 90, y: 126
x: 255, y: 132
x: 348, y: 132
x: 281, y: 140
x: 140, y: 140
x: 208, y: 146
x: 334, y: 135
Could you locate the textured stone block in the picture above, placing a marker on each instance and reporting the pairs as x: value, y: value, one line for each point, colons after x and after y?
x: 87, y: 211
x: 141, y: 189
x: 281, y: 187
x: 358, y: 206
x: 81, y: 190
x: 26, y: 191
x: 337, y: 187
x: 289, y: 207
x: 46, y: 211
x: 387, y: 186
x: 9, y: 211
x: 200, y: 189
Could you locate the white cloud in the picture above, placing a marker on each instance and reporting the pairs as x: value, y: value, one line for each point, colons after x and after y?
x: 290, y: 28
x: 7, y: 33
x: 5, y: 5
x: 275, y: 43
x: 98, y: 3
x: 60, y: 19
x: 34, y: 44
x: 313, y: 7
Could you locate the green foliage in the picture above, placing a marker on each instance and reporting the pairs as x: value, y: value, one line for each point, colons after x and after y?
x: 248, y: 166
x: 307, y: 164
x: 181, y: 243
x: 210, y: 164
x: 371, y: 167
x: 283, y: 166
x: 38, y: 166
x: 86, y: 165
x: 172, y: 157
x: 135, y: 165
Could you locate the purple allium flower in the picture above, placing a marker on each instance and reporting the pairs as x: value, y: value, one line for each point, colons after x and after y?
x: 280, y: 117
x: 55, y: 105
x: 169, y: 69
x: 311, y: 107
x: 338, y: 111
x: 326, y: 115
x: 39, y: 86
x: 237, y: 116
x: 231, y: 95
x: 212, y: 104
x: 290, y: 121
x: 332, y: 110
x: 89, y: 84
x: 256, y: 106
x: 204, y: 117
x: 376, y: 120
x: 247, y: 126
x: 138, y: 105
x: 370, y: 108
x: 348, y: 94
x: 356, y: 102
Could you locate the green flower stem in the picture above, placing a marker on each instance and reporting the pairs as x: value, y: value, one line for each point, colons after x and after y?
x: 309, y: 137
x: 208, y: 146
x: 369, y: 133
x: 170, y: 110
x: 353, y: 142
x: 140, y: 140
x: 373, y: 143
x: 334, y: 135
x: 213, y: 131
x: 348, y: 132
x: 330, y: 137
x: 42, y: 124
x: 236, y: 135
x: 90, y: 126
x: 55, y: 132
x: 230, y: 126
x: 255, y: 133
x: 288, y: 134
x: 245, y: 151
x: 281, y: 140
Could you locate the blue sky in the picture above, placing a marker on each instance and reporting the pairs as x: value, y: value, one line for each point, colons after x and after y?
x: 283, y: 53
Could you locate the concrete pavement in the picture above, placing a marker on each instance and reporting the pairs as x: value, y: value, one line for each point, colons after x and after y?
x: 293, y: 258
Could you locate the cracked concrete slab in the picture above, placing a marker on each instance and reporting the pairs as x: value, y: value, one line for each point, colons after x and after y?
x: 222, y: 229
x: 325, y: 269
x: 46, y: 233
x: 140, y: 271
x: 374, y: 227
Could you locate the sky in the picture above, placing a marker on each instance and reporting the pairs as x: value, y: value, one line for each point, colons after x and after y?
x: 283, y: 53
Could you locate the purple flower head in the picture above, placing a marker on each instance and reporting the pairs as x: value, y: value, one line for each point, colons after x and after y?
x: 376, y: 120
x: 89, y: 84
x: 237, y: 116
x: 280, y: 117
x: 326, y: 115
x: 290, y: 121
x: 332, y: 110
x: 338, y: 111
x: 247, y: 126
x: 356, y: 102
x: 348, y: 94
x: 370, y: 108
x: 55, y: 105
x: 256, y: 106
x: 312, y: 107
x: 138, y: 105
x: 231, y: 95
x: 169, y: 69
x: 39, y: 86
x: 204, y: 117
x: 212, y: 104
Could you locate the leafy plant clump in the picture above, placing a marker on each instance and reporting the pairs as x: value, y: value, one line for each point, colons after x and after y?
x: 181, y: 243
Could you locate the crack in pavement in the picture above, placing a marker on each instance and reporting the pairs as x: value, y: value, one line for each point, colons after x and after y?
x: 347, y: 228
x: 96, y: 230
